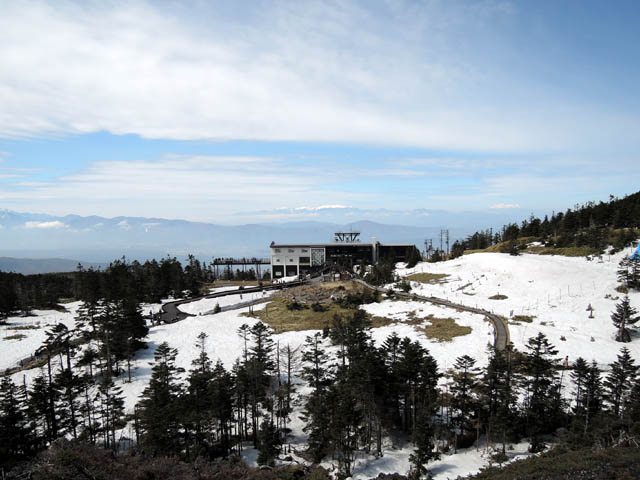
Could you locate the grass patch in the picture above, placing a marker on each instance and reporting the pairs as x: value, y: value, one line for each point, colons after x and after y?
x: 523, y: 318
x: 560, y: 463
x: 281, y: 318
x: 430, y: 278
x: 25, y: 327
x: 538, y: 249
x: 569, y: 251
x: 17, y: 336
x: 444, y: 329
x: 498, y: 297
x: 622, y: 289
x: 377, y: 322
x: 66, y: 300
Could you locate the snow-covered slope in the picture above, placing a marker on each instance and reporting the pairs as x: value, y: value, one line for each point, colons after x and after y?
x: 555, y: 290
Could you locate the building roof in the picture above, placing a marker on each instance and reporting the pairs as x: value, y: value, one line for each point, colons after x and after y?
x: 337, y: 244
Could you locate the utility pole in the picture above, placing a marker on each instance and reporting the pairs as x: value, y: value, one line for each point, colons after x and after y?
x: 428, y: 247
x: 447, y: 234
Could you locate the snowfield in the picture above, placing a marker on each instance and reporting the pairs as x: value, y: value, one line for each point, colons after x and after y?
x: 473, y: 344
x: 554, y: 290
x: 12, y: 351
x: 205, y: 305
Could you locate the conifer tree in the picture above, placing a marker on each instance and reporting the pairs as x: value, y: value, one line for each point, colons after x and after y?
x: 625, y: 316
x: 498, y: 394
x: 221, y: 393
x: 346, y: 419
x: 463, y: 391
x: 110, y: 402
x: 198, y: 404
x: 16, y: 436
x: 539, y: 368
x: 579, y: 376
x: 159, y: 406
x: 620, y: 380
x: 425, y: 448
x: 316, y: 414
x: 69, y: 384
x: 624, y: 271
x: 269, y: 442
x: 258, y: 368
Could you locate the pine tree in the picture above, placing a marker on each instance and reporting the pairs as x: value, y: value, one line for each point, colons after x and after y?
x: 110, y: 401
x: 346, y: 420
x: 16, y: 436
x: 269, y: 442
x: 623, y: 318
x: 68, y: 383
x: 464, y: 384
x: 258, y: 368
x: 221, y: 393
x: 159, y: 406
x: 633, y: 403
x: 539, y: 368
x: 498, y: 395
x: 588, y: 398
x: 198, y: 404
x: 579, y: 375
x: 316, y: 414
x: 620, y: 380
x: 634, y: 280
x: 624, y: 271
x: 42, y: 400
x: 425, y: 448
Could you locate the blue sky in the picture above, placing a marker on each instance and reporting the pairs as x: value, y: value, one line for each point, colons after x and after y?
x: 236, y: 112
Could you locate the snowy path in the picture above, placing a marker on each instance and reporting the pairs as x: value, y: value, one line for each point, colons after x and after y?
x: 170, y: 312
x: 501, y: 335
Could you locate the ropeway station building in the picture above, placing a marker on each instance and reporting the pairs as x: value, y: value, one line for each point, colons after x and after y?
x: 290, y: 259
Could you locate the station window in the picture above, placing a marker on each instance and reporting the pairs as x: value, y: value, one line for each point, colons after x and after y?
x: 277, y: 250
x: 291, y: 250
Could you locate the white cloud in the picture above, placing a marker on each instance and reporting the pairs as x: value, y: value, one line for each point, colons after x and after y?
x: 391, y: 73
x: 124, y: 225
x: 321, y: 207
x: 505, y: 205
x: 209, y: 188
x: 45, y: 225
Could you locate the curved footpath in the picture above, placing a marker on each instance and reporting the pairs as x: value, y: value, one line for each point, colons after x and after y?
x: 171, y: 314
x: 501, y: 337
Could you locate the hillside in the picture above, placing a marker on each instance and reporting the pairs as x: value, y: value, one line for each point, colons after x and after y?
x: 537, y: 294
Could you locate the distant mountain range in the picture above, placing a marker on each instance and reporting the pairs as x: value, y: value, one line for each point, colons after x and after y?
x: 48, y: 238
x: 28, y: 266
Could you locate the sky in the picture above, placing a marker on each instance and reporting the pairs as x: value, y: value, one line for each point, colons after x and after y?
x: 262, y: 111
